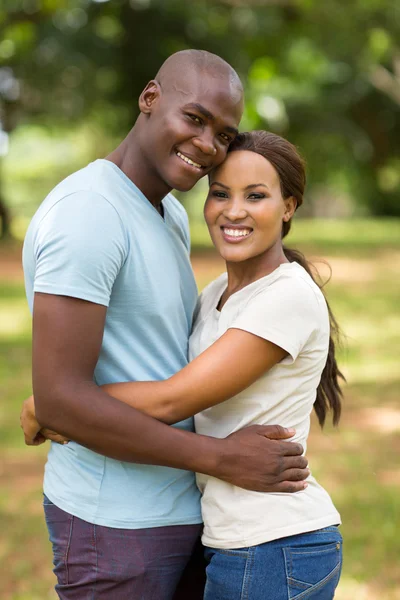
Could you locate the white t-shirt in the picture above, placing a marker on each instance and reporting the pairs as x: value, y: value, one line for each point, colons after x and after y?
x: 287, y: 308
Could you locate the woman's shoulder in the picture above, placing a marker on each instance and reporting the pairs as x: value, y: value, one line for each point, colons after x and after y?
x: 288, y: 292
x: 291, y: 279
x: 303, y: 280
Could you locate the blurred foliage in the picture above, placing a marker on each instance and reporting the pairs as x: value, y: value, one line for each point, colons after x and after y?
x: 324, y: 74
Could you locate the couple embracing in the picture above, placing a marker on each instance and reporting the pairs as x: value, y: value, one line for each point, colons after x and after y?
x: 151, y: 385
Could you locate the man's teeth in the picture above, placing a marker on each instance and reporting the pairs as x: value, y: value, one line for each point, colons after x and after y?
x: 237, y: 232
x: 188, y: 161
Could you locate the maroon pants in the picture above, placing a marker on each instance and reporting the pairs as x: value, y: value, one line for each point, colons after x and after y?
x: 92, y: 562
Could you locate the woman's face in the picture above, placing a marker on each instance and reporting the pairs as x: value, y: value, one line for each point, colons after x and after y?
x: 244, y: 209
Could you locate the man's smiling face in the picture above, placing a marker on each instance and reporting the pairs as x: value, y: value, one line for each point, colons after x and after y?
x: 190, y: 126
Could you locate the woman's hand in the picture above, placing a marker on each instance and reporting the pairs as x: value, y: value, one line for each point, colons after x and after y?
x: 33, y: 432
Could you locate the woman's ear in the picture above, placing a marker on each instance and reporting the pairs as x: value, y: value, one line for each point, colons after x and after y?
x: 149, y: 97
x: 290, y: 207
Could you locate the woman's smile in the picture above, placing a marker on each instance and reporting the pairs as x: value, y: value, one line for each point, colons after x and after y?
x: 234, y: 234
x: 245, y: 209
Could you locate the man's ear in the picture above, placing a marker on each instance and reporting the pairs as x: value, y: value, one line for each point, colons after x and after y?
x: 290, y: 207
x: 149, y: 96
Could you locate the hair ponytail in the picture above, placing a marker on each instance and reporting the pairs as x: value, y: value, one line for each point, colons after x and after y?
x: 329, y: 394
x: 290, y: 167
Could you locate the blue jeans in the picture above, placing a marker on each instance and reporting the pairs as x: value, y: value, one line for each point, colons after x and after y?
x: 305, y: 566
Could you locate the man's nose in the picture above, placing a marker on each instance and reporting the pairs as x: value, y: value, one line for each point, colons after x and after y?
x: 205, y: 143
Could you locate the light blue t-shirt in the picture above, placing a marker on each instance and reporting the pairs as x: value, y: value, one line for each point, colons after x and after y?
x: 97, y: 237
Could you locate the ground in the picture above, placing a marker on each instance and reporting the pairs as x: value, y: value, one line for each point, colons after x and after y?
x: 358, y: 462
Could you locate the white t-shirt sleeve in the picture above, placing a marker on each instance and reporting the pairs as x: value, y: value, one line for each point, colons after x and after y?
x: 80, y: 247
x: 285, y: 313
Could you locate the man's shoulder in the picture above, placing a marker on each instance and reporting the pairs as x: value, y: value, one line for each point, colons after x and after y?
x: 78, y: 180
x: 93, y: 179
x: 75, y: 212
x: 86, y: 187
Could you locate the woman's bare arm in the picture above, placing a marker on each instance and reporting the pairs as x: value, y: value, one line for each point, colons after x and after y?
x: 235, y: 361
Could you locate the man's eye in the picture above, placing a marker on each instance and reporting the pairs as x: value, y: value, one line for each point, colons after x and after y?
x: 226, y: 138
x: 196, y: 119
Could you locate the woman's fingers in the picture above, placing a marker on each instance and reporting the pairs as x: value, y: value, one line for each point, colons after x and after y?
x: 48, y: 434
x: 29, y: 424
x: 34, y: 441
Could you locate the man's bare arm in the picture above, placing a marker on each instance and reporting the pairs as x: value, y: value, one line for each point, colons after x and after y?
x: 67, y: 336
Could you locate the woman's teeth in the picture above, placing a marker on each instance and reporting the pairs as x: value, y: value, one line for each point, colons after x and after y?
x: 188, y: 160
x: 237, y: 232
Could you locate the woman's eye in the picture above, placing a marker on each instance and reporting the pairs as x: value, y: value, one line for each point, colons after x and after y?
x: 256, y: 196
x: 217, y: 194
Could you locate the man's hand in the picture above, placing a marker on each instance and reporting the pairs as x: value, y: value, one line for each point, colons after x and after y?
x: 256, y: 458
x: 33, y: 432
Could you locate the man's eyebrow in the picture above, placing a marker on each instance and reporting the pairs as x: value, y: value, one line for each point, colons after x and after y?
x: 201, y: 109
x: 232, y: 130
x: 208, y: 115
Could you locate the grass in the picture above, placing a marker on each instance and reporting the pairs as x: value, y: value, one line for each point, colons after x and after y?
x: 358, y: 462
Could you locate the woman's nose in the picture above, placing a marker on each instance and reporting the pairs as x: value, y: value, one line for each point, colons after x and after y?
x: 235, y: 210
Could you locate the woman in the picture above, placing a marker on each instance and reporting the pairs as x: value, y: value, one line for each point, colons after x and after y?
x: 261, y: 352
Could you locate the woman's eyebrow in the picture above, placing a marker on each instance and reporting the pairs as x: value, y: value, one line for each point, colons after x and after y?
x: 253, y: 185
x: 221, y: 184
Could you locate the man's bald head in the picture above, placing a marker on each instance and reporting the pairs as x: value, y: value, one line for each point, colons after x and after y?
x: 190, y: 113
x: 177, y: 71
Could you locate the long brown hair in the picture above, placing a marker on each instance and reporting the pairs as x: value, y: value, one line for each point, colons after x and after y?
x: 290, y: 167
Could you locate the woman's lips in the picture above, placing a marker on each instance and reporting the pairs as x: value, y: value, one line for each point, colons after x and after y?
x: 234, y: 235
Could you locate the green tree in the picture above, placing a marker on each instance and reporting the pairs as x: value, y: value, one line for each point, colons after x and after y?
x: 324, y: 74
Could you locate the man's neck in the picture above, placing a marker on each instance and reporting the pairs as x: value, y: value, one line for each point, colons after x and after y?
x: 129, y: 158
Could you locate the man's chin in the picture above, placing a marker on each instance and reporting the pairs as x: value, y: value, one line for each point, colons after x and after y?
x: 185, y: 185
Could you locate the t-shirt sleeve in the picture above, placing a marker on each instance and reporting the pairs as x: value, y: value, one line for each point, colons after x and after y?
x: 80, y: 247
x: 286, y: 313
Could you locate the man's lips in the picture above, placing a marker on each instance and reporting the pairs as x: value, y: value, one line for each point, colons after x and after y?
x: 235, y: 233
x: 192, y: 162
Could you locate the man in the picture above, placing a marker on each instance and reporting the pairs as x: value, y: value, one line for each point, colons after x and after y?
x: 108, y: 278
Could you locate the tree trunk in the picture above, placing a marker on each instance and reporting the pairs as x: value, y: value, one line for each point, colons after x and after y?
x: 5, y: 216
x: 5, y: 220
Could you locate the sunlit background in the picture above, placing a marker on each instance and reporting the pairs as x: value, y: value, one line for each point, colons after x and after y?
x: 325, y: 74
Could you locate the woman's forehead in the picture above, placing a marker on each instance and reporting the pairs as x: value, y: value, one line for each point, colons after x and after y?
x: 245, y: 167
